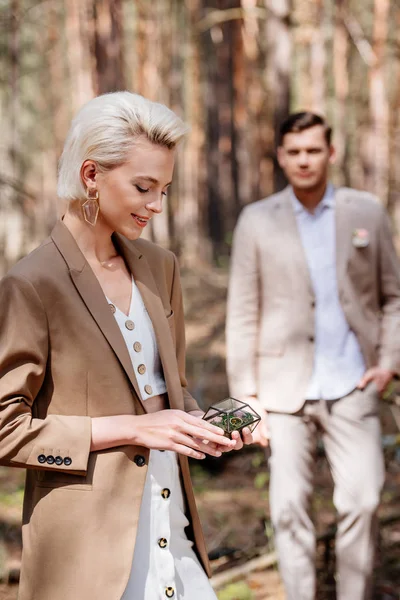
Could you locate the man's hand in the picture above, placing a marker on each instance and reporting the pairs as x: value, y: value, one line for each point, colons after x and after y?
x: 261, y: 432
x: 379, y: 375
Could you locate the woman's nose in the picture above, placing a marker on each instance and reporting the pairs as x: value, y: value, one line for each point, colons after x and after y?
x: 155, y: 206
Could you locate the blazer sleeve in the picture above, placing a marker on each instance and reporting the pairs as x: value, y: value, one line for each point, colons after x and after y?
x: 177, y: 306
x: 243, y: 310
x: 389, y: 352
x: 26, y: 441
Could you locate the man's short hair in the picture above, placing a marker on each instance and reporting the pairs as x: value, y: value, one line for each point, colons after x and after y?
x: 304, y: 120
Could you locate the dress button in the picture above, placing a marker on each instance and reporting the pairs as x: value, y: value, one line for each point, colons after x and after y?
x: 169, y: 592
x: 58, y: 460
x: 129, y: 325
x: 137, y: 346
x: 163, y: 543
x: 139, y: 460
x: 67, y: 461
x: 165, y: 493
x: 141, y: 369
x: 148, y: 389
x: 50, y: 459
x: 41, y: 458
x: 112, y: 308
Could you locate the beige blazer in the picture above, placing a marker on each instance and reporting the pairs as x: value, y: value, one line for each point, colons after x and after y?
x: 270, y: 319
x: 63, y: 360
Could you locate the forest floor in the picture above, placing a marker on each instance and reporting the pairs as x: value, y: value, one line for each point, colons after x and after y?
x: 232, y: 492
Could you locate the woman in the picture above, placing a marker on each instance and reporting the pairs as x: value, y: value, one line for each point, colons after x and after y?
x: 92, y: 385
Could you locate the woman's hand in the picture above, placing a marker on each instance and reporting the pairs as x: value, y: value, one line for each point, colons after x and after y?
x: 168, y: 429
x: 244, y: 437
x: 261, y: 434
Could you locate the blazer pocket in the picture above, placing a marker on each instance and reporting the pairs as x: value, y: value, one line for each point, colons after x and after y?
x: 58, y: 479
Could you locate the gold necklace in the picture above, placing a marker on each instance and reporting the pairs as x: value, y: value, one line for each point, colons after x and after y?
x: 108, y: 264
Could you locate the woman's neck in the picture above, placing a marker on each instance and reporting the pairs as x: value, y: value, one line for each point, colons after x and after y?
x: 95, y: 243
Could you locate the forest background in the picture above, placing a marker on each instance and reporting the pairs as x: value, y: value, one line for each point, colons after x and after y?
x: 233, y: 70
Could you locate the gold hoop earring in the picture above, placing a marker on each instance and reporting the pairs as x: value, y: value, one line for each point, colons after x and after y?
x: 91, y: 208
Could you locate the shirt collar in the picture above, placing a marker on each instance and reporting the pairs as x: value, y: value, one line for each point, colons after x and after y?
x: 328, y: 201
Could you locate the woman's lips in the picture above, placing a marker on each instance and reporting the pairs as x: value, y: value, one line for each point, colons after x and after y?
x: 141, y: 221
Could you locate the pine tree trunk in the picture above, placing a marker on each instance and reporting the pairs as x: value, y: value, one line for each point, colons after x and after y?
x: 108, y: 45
x: 379, y: 105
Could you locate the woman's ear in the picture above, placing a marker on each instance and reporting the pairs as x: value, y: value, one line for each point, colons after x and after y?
x: 88, y: 174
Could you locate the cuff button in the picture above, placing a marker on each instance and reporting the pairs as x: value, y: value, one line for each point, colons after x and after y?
x: 50, y: 459
x: 58, y: 460
x: 67, y: 461
x: 139, y: 460
x: 41, y: 458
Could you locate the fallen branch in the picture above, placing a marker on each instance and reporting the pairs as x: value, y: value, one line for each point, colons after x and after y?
x: 256, y: 564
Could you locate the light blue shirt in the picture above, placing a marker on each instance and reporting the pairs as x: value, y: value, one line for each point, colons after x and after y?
x: 338, y: 362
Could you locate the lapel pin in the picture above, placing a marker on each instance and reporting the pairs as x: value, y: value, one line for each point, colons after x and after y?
x: 360, y: 238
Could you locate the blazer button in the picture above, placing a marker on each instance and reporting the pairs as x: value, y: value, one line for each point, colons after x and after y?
x: 163, y: 543
x: 129, y: 325
x: 58, y: 460
x: 41, y: 458
x: 141, y: 369
x: 165, y: 493
x: 67, y: 461
x: 310, y: 338
x: 137, y: 346
x: 169, y: 592
x: 50, y: 459
x: 139, y: 460
x: 148, y: 389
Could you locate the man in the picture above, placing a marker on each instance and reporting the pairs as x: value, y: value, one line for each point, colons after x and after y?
x: 313, y: 338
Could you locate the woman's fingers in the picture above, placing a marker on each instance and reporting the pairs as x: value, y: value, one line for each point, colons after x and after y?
x: 190, y: 452
x: 247, y: 436
x: 198, y: 445
x: 207, y: 434
x: 237, y: 439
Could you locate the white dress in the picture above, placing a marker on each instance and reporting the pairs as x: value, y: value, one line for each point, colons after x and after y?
x: 164, y: 564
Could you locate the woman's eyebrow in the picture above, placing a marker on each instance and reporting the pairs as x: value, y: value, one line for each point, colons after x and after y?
x: 151, y: 179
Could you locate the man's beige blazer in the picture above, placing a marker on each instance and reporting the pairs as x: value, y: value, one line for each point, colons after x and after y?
x: 270, y: 320
x: 63, y: 360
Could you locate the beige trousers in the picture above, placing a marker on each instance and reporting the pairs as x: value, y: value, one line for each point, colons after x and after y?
x: 351, y: 434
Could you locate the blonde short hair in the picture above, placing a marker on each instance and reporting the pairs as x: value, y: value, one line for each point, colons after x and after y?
x: 104, y: 130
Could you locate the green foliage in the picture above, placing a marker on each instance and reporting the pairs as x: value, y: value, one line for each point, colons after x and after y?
x: 199, y: 477
x: 261, y: 480
x: 236, y: 591
x: 257, y: 460
x: 12, y: 499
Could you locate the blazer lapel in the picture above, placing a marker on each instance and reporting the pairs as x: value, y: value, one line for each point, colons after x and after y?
x: 343, y: 232
x: 292, y: 244
x: 92, y: 295
x: 146, y: 284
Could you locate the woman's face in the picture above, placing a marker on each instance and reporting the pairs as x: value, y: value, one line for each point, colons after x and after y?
x: 131, y: 194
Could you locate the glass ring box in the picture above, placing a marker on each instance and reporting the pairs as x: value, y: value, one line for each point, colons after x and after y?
x: 232, y: 415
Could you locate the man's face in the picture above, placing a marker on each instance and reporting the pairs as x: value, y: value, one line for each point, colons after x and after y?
x: 305, y: 157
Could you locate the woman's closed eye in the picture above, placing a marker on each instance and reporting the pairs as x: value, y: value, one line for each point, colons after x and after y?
x: 141, y: 190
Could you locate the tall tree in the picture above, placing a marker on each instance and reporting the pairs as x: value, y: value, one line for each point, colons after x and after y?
x: 108, y: 45
x: 278, y: 56
x: 379, y: 105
